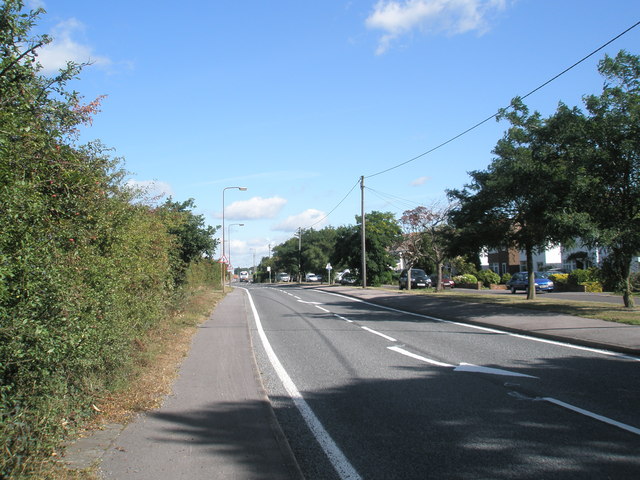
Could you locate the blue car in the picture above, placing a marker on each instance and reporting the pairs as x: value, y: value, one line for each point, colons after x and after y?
x: 520, y: 281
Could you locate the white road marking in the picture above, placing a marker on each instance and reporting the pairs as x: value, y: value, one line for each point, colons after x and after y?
x: 339, y: 461
x: 469, y: 367
x: 493, y: 330
x: 391, y: 339
x: 595, y: 416
x: 419, y: 357
x: 343, y: 318
x: 323, y: 309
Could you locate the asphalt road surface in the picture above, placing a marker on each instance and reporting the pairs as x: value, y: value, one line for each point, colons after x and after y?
x: 367, y: 392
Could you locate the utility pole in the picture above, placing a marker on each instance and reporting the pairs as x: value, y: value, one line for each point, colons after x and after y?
x: 299, y: 254
x: 362, y: 234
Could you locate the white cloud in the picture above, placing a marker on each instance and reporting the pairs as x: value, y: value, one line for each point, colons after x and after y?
x: 419, y: 181
x: 64, y: 48
x: 306, y: 219
x: 399, y: 17
x: 255, y: 208
x: 153, y: 189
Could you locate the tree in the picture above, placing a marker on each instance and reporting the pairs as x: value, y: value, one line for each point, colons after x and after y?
x: 611, y: 190
x: 425, y: 235
x: 382, y: 233
x: 520, y: 201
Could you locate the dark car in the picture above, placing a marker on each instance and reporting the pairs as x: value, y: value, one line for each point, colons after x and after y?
x: 520, y: 281
x: 446, y: 281
x: 419, y: 279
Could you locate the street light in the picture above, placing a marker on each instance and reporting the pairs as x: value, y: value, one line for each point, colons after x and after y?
x: 229, y: 235
x: 222, y: 259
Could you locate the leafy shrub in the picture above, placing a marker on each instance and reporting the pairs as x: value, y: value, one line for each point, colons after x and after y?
x: 579, y: 276
x: 467, y: 278
x: 559, y: 279
x: 505, y: 278
x: 488, y: 277
x: 593, y: 287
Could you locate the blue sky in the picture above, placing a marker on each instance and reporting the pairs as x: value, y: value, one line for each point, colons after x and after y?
x: 296, y: 100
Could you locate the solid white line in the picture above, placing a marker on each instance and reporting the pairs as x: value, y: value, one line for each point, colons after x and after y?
x: 595, y: 416
x: 342, y: 466
x: 323, y: 309
x: 494, y: 330
x: 378, y: 333
x: 418, y: 357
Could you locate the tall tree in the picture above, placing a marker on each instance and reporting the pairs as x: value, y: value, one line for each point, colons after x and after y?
x: 612, y: 188
x: 382, y: 233
x: 426, y: 231
x: 520, y: 201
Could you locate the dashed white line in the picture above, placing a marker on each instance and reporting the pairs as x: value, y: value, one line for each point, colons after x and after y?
x: 391, y: 339
x: 343, y: 318
x: 494, y: 330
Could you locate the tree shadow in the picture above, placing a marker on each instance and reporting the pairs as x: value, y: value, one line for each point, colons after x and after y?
x: 429, y: 423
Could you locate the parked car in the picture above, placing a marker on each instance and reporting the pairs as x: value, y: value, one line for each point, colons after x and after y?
x: 348, y: 279
x: 311, y: 277
x: 419, y: 279
x: 446, y: 281
x: 283, y: 277
x: 520, y: 281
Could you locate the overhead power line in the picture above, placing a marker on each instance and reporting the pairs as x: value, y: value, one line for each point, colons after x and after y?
x: 334, y: 208
x: 495, y: 114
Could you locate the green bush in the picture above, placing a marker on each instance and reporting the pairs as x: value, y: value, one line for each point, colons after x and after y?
x: 579, y: 276
x: 505, y: 278
x: 84, y: 269
x: 488, y: 277
x: 467, y: 278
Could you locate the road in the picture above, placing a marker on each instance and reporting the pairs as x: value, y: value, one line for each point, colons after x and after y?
x: 366, y: 392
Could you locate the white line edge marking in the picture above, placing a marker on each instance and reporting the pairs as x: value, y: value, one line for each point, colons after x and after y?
x: 342, y: 466
x: 343, y: 318
x: 323, y: 309
x: 418, y: 357
x: 595, y: 416
x: 391, y: 339
x: 493, y: 330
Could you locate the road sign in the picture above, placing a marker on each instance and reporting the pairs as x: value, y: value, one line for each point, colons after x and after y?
x: 328, y: 267
x: 223, y: 259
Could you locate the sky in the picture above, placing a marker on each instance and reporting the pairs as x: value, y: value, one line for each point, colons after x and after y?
x: 297, y: 100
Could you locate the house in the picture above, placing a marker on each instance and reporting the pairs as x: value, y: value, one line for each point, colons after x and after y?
x: 556, y: 257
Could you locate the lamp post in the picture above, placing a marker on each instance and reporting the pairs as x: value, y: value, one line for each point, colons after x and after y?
x: 222, y: 262
x: 229, y: 235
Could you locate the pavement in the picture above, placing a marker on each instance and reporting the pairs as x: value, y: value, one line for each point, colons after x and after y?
x: 218, y: 422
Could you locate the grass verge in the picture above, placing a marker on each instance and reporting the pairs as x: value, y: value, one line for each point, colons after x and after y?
x: 586, y: 309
